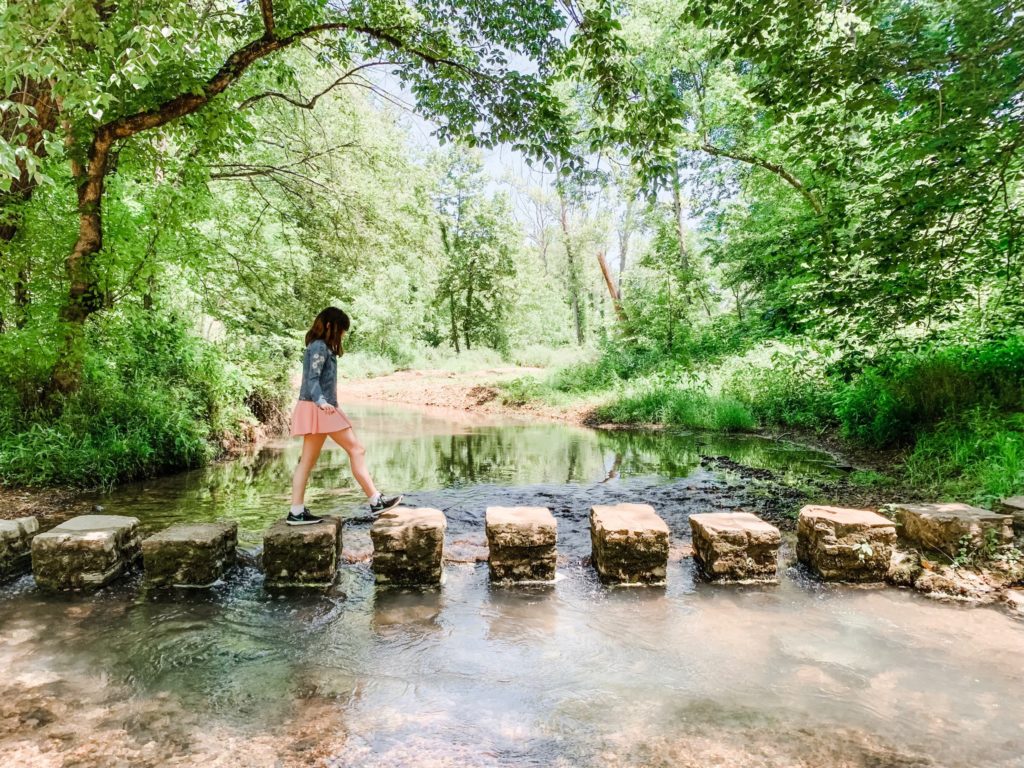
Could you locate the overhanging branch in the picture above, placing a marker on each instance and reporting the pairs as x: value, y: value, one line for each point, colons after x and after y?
x: 778, y: 170
x: 316, y: 97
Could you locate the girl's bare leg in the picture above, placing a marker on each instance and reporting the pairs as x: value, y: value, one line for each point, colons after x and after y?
x: 347, y: 439
x: 311, y: 446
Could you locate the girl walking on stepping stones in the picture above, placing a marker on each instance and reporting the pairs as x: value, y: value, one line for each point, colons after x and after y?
x: 317, y: 417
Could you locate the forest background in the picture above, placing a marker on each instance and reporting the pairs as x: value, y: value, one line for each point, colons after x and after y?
x: 809, y: 217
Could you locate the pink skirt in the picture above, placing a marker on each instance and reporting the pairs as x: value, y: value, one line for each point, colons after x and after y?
x: 309, y: 419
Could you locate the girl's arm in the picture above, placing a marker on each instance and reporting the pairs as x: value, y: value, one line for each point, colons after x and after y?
x: 317, y: 353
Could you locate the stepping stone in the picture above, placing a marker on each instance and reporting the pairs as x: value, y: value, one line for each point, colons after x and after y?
x: 190, y: 554
x: 1014, y: 505
x: 302, y: 555
x: 16, y: 546
x: 85, y: 552
x: 629, y: 544
x: 408, y: 546
x: 735, y: 546
x: 947, y: 527
x: 521, y: 541
x: 845, y: 544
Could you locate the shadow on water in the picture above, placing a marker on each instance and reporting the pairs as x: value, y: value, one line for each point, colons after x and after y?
x: 474, y: 674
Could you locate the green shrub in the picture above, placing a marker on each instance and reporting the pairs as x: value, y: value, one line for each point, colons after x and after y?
x: 902, y: 395
x: 673, y: 406
x: 793, y: 392
x: 523, y: 390
x: 618, y: 362
x: 977, y: 458
x: 154, y: 399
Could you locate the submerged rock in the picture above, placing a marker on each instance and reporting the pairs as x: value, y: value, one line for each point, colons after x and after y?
x: 16, y: 546
x: 845, y: 544
x: 302, y: 555
x: 629, y: 544
x: 190, y: 554
x: 85, y: 552
x: 521, y: 542
x: 735, y: 546
x: 950, y: 527
x: 408, y: 546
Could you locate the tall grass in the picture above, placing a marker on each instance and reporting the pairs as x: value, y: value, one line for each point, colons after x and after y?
x: 979, y: 458
x: 679, y: 408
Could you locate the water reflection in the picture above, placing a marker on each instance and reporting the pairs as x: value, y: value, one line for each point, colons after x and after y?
x: 573, y: 675
x: 411, y: 451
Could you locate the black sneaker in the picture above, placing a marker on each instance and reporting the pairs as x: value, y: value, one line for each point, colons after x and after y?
x: 383, y: 503
x: 304, y: 518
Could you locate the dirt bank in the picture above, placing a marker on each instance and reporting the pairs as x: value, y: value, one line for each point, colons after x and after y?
x: 476, y: 391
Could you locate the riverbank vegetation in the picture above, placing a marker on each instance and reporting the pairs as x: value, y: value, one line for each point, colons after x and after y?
x: 735, y: 217
x: 952, y: 413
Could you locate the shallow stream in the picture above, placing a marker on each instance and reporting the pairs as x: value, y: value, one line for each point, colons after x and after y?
x: 575, y: 674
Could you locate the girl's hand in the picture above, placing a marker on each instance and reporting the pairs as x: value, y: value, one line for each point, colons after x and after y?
x: 327, y: 408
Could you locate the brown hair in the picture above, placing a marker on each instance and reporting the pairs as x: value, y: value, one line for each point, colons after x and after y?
x: 330, y: 325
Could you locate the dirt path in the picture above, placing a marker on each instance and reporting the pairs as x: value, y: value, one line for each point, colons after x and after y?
x: 473, y: 391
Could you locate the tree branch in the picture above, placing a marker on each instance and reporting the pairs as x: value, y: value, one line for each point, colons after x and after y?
x: 236, y: 65
x: 775, y: 168
x: 312, y: 102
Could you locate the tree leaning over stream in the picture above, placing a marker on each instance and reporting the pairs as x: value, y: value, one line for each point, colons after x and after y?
x: 159, y: 71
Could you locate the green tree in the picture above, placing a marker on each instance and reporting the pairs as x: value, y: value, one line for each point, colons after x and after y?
x: 476, y: 285
x: 874, y: 145
x: 166, y: 71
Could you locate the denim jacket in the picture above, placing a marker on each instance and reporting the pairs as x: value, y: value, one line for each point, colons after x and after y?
x: 319, y: 374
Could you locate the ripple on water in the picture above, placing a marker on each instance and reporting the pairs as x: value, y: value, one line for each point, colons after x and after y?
x: 470, y: 674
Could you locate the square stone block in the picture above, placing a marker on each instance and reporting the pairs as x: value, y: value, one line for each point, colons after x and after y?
x: 16, y: 546
x: 944, y: 526
x: 629, y: 544
x: 521, y: 541
x: 1014, y: 505
x: 845, y: 544
x: 85, y: 552
x: 735, y: 546
x: 190, y: 554
x: 408, y: 546
x: 302, y: 555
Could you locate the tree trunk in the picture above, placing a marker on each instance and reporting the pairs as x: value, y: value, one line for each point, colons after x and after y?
x: 625, y: 233
x: 613, y: 291
x: 467, y: 318
x: 677, y: 214
x: 574, y: 274
x: 671, y: 315
x: 739, y: 303
x: 84, y: 295
x: 455, y: 327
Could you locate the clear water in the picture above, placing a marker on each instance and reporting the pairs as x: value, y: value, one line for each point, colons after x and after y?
x: 574, y: 674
